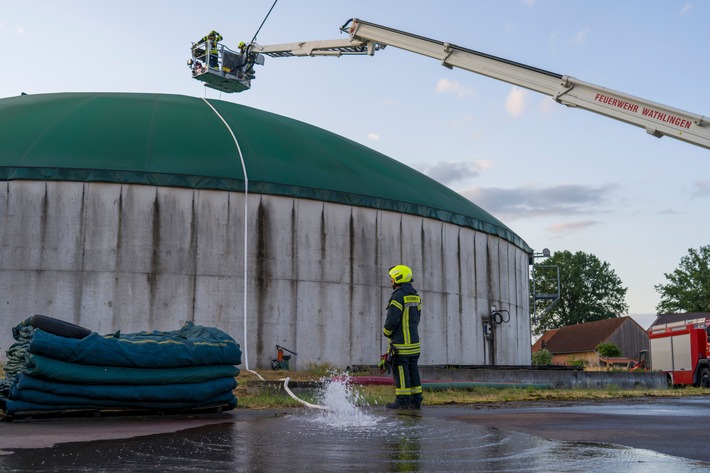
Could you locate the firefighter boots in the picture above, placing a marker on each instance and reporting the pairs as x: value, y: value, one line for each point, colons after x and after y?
x: 402, y: 402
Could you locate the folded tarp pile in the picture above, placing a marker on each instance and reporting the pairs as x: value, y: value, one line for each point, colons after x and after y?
x: 57, y: 366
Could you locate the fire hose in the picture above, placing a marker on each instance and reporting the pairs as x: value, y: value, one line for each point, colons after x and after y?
x: 305, y: 403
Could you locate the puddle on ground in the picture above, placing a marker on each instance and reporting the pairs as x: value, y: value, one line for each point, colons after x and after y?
x: 308, y: 441
x: 343, y: 438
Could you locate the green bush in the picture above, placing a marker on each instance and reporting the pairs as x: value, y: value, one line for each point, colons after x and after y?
x: 542, y: 357
x: 608, y: 350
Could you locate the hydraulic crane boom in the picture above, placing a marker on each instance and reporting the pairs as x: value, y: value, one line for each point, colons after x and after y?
x: 367, y: 38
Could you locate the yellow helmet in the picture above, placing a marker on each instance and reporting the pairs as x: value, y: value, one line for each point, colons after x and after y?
x: 242, y: 45
x: 400, y: 273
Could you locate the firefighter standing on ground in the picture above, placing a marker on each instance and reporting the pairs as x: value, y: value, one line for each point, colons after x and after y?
x: 402, y: 328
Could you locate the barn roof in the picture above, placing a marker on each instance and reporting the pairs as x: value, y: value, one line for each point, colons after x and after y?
x: 582, y: 338
x: 180, y: 141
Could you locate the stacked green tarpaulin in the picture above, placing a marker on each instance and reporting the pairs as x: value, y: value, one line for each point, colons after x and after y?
x: 72, y: 368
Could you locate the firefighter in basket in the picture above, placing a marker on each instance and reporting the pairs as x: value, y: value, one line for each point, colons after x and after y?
x: 210, y: 44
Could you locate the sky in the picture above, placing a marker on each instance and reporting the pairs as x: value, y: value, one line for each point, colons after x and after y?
x: 561, y: 178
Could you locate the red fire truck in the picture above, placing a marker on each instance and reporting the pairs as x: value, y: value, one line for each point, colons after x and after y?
x: 681, y: 350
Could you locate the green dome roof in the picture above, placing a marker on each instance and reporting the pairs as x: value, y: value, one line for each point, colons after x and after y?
x: 174, y: 140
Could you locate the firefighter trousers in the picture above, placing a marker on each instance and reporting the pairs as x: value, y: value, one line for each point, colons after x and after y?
x: 407, y: 382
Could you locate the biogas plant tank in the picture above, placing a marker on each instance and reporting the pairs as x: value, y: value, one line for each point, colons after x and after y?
x: 133, y: 211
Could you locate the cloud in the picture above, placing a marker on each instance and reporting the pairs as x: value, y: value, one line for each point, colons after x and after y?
x: 532, y: 201
x: 700, y: 189
x: 515, y: 101
x: 452, y: 86
x: 373, y: 136
x: 581, y: 36
x: 448, y: 172
x: 477, y: 135
x: 20, y: 30
x: 484, y: 164
x: 669, y: 212
x: 686, y: 8
x: 566, y: 228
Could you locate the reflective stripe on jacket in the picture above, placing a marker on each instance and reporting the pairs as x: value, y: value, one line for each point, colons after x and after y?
x: 215, y: 38
x: 402, y: 324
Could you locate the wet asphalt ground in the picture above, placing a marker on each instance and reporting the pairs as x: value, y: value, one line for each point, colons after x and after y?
x: 666, y: 435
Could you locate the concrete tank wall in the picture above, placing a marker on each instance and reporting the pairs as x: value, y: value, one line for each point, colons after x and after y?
x: 126, y: 257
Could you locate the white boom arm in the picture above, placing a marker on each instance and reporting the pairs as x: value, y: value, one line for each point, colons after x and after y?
x: 366, y: 38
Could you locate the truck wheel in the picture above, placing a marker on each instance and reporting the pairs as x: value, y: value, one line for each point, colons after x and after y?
x: 704, y: 377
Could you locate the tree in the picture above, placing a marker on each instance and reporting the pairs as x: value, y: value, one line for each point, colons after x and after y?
x: 608, y: 350
x: 589, y: 290
x: 542, y: 357
x: 688, y: 289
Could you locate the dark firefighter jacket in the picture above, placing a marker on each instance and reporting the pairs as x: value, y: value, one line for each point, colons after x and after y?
x: 214, y: 38
x: 402, y: 324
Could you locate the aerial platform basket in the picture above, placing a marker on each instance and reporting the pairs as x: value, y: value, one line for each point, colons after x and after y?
x: 227, y: 71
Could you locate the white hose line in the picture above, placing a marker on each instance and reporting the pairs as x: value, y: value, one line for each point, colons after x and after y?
x: 307, y: 404
x: 246, y: 198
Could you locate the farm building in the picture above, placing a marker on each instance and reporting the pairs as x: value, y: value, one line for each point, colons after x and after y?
x: 577, y: 343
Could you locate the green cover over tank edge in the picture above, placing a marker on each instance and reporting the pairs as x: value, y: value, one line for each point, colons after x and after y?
x: 178, y: 141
